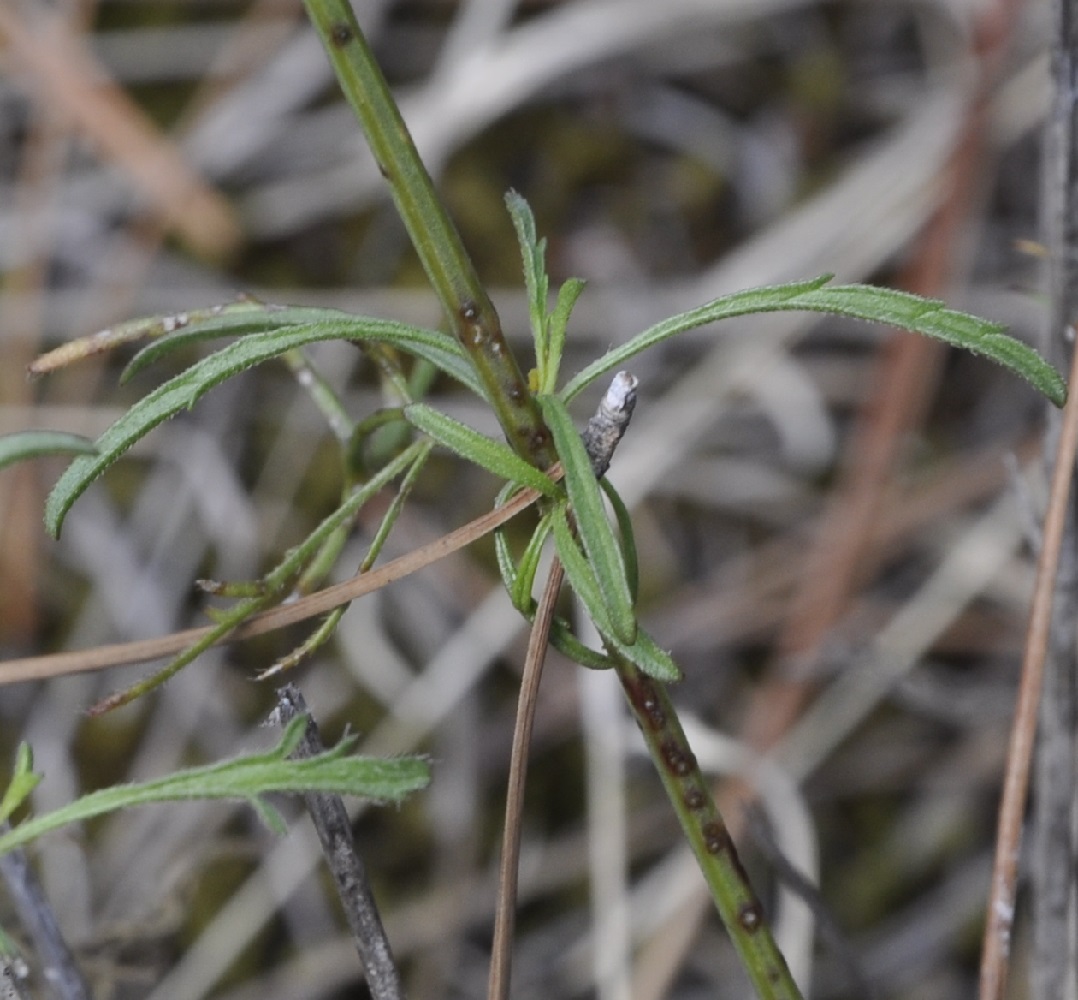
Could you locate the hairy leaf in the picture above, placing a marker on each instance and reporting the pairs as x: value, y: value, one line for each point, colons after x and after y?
x: 877, y: 305
x: 596, y: 534
x: 184, y: 390
x: 494, y: 456
x: 246, y: 778
x: 33, y: 444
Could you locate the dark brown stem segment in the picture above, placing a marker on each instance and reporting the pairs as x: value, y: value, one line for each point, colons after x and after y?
x: 330, y: 818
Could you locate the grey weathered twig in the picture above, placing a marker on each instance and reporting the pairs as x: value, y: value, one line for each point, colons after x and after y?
x: 330, y: 819
x: 37, y: 916
x: 1055, y: 965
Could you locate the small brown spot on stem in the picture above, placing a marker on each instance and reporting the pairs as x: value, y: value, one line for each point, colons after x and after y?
x: 341, y: 33
x: 749, y: 916
x: 716, y: 839
x: 469, y: 311
x: 694, y: 798
x: 679, y: 760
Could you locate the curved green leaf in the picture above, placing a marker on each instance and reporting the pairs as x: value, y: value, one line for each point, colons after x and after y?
x: 580, y: 574
x: 628, y: 540
x: 596, y: 534
x: 234, y: 320
x: 494, y: 456
x: 521, y: 593
x: 644, y: 652
x: 33, y: 444
x: 533, y: 254
x: 184, y: 390
x: 877, y: 305
x: 245, y: 778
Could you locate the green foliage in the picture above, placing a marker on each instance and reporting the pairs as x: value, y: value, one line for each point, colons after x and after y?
x: 185, y: 389
x: 877, y: 305
x: 23, y: 782
x: 494, y: 456
x: 600, y: 545
x: 243, y: 778
x: 34, y: 444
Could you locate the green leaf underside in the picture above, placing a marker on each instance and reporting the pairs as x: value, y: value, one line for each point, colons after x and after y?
x: 644, y: 652
x: 184, y: 390
x: 246, y: 778
x: 877, y: 305
x: 494, y: 456
x: 533, y: 253
x: 34, y: 444
x: 628, y: 541
x: 596, y: 534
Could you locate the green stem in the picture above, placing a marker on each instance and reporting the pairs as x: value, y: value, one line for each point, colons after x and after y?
x: 706, y: 832
x: 478, y: 328
x: 467, y: 305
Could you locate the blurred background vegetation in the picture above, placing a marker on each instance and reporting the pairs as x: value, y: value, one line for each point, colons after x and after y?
x: 833, y: 519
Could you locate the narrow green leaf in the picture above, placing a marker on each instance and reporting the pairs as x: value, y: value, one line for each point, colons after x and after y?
x: 185, y: 389
x: 644, y: 652
x: 244, y: 779
x: 566, y: 643
x: 533, y: 253
x: 877, y: 305
x: 240, y: 317
x: 596, y: 534
x: 650, y: 658
x: 23, y: 782
x: 494, y: 456
x: 580, y: 573
x: 529, y: 564
x: 271, y: 818
x: 254, y: 318
x: 625, y: 533
x: 557, y: 325
x: 33, y: 444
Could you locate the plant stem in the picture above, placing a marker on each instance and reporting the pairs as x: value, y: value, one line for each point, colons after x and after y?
x: 452, y: 275
x: 330, y: 818
x: 478, y: 328
x: 504, y: 915
x: 707, y: 834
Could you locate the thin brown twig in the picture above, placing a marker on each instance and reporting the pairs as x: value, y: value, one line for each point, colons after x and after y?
x: 505, y: 908
x: 1000, y: 916
x: 127, y: 653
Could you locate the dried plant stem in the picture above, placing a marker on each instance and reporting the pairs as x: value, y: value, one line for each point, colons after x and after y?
x: 505, y: 908
x: 334, y: 828
x: 37, y: 916
x: 1000, y: 917
x: 126, y: 653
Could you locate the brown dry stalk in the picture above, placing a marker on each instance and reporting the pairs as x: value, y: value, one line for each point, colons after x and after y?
x: 125, y: 653
x: 505, y: 908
